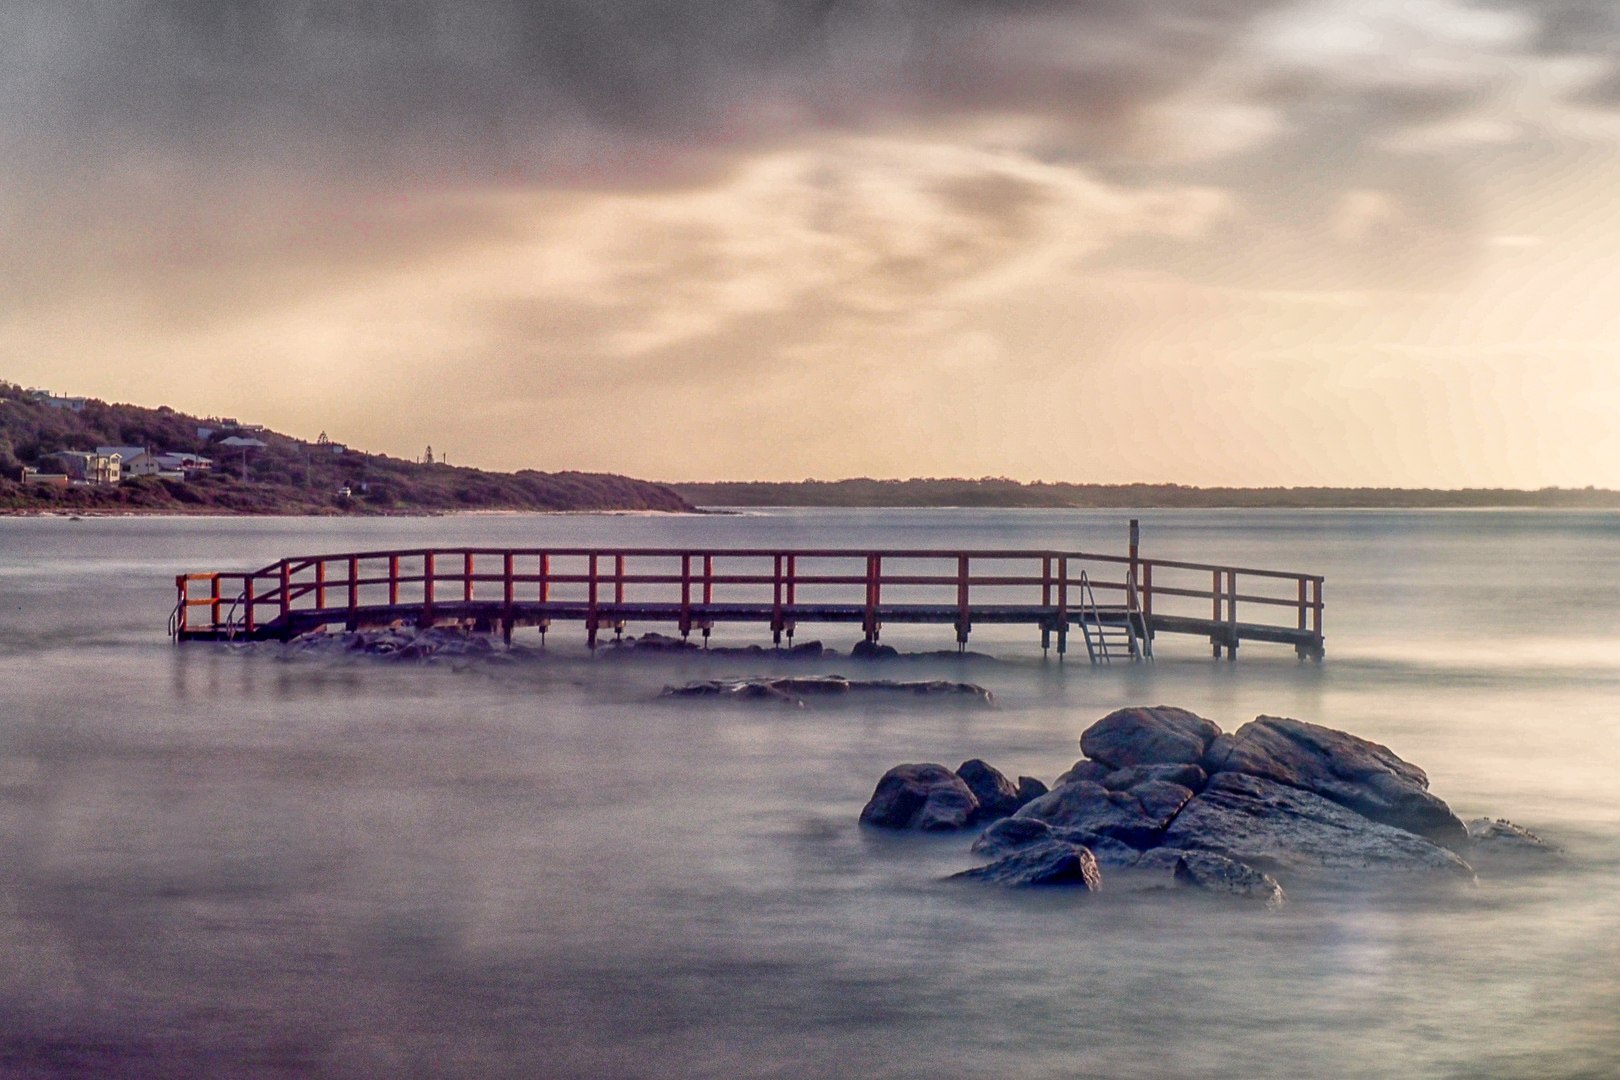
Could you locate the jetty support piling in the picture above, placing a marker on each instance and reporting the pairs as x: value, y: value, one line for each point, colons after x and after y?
x: 776, y: 589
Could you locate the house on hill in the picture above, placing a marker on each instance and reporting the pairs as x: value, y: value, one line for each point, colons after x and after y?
x: 136, y: 460
x: 89, y: 467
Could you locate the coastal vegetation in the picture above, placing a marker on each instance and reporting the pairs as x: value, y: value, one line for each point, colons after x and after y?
x: 284, y: 475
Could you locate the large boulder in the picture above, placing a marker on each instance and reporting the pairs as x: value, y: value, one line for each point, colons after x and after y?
x: 1136, y: 818
x: 1188, y: 776
x: 996, y: 794
x: 1048, y: 862
x: 1013, y: 834
x: 1289, y: 832
x: 1162, y: 735
x: 926, y: 797
x: 1360, y: 775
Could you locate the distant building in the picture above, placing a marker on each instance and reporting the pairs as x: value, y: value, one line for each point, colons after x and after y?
x: 45, y: 397
x: 236, y: 442
x: 137, y: 460
x: 88, y: 467
x: 34, y: 476
x: 184, y: 463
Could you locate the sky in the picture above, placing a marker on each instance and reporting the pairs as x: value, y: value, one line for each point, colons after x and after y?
x: 1337, y: 242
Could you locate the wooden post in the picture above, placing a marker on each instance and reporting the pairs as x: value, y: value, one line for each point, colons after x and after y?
x: 686, y: 595
x: 792, y: 594
x: 213, y: 597
x: 590, y: 615
x: 618, y: 579
x: 182, y: 604
x: 545, y: 578
x: 320, y: 583
x: 354, y: 593
x: 961, y: 602
x: 1316, y: 619
x: 286, y: 594
x: 467, y: 577
x: 1046, y: 581
x: 1231, y: 615
x: 871, y: 619
x: 1136, y: 536
x: 427, y: 590
x: 393, y: 581
x: 1215, y: 591
x: 1147, y: 597
x: 776, y: 602
x: 247, y: 603
x: 1303, y: 603
x: 708, y: 580
x: 1063, y: 604
x: 508, y: 595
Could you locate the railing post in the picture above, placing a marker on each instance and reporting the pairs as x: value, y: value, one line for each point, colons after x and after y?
x: 1316, y: 608
x: 1135, y: 541
x: 1215, y: 591
x: 776, y: 602
x: 508, y: 595
x: 708, y: 596
x: 545, y: 578
x: 354, y: 592
x: 467, y: 577
x: 962, y: 623
x: 686, y: 595
x: 1063, y: 605
x: 871, y: 619
x: 182, y: 600
x: 393, y: 581
x: 1147, y: 596
x: 618, y: 579
x: 1303, y: 603
x: 320, y: 583
x: 590, y: 616
x: 1046, y: 581
x: 247, y: 603
x: 286, y: 594
x: 427, y: 590
x: 213, y: 597
x: 1231, y: 614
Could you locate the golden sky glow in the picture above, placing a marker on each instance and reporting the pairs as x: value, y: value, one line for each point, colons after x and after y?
x: 1320, y: 243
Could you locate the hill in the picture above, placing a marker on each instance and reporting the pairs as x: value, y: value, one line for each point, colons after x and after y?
x: 1011, y: 493
x: 286, y: 476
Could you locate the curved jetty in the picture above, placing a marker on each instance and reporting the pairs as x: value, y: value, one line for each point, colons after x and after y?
x: 1164, y: 797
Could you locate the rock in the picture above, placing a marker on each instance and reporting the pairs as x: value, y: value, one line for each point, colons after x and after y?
x: 1012, y: 834
x: 1030, y: 789
x: 996, y: 795
x: 1360, y: 775
x: 929, y: 798
x: 1188, y: 776
x: 1160, y: 799
x: 1092, y: 807
x: 1501, y: 842
x: 1093, y: 771
x: 1212, y: 873
x: 871, y: 650
x: 1162, y: 735
x: 1047, y: 862
x: 793, y: 689
x: 1286, y: 831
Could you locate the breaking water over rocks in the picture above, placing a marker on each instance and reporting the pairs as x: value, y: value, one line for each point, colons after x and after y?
x: 214, y: 863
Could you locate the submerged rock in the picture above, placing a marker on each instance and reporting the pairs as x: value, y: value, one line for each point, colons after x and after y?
x: 1014, y: 834
x: 1046, y: 862
x: 1124, y: 815
x: 1360, y: 775
x: 654, y: 642
x: 996, y: 794
x: 927, y: 797
x: 1212, y: 873
x: 1286, y: 831
x: 871, y: 650
x: 1162, y: 735
x: 1501, y: 842
x: 401, y: 643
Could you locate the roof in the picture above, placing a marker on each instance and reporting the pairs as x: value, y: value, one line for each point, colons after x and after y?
x: 246, y: 444
x: 129, y: 453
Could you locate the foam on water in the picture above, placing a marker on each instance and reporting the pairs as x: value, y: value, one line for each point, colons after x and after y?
x: 217, y: 863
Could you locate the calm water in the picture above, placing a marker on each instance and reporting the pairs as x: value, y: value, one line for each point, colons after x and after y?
x: 215, y: 863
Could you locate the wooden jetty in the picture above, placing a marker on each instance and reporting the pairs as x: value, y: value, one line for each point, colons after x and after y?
x: 1117, y: 603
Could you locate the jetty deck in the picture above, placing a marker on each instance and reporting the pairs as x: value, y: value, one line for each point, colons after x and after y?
x: 1118, y: 604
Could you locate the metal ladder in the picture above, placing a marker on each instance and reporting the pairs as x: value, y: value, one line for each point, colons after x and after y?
x: 1106, y: 642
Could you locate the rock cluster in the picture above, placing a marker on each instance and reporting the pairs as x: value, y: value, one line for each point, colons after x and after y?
x: 1164, y: 795
x: 793, y: 690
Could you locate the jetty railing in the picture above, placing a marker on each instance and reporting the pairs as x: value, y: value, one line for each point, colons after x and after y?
x: 607, y: 588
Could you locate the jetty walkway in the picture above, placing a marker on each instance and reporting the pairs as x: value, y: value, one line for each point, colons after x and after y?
x: 1117, y: 603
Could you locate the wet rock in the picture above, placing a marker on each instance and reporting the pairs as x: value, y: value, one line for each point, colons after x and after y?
x: 871, y: 650
x: 927, y: 797
x: 1013, y: 834
x: 996, y: 794
x: 1502, y: 843
x: 1212, y: 873
x: 1360, y: 775
x: 400, y: 643
x: 1046, y: 862
x: 1030, y: 789
x: 1188, y: 776
x: 794, y: 690
x: 1162, y: 735
x: 654, y: 642
x: 1092, y: 771
x: 1092, y: 807
x: 1286, y: 831
x: 1160, y: 799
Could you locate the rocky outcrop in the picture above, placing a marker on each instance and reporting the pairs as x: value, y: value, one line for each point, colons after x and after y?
x: 1136, y: 818
x: 1162, y: 735
x: 1360, y: 775
x: 1289, y: 832
x: 1045, y: 862
x: 928, y: 798
x: 997, y: 796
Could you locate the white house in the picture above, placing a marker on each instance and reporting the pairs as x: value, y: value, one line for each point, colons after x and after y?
x: 86, y: 467
x: 137, y: 460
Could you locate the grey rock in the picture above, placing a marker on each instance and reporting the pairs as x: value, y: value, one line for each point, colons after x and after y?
x: 1500, y: 842
x: 1030, y: 789
x: 926, y: 797
x: 1188, y: 776
x: 1161, y: 800
x: 1093, y: 771
x: 1216, y: 873
x: 871, y: 650
x: 1047, y: 862
x: 1092, y: 807
x: 1162, y: 735
x: 996, y: 794
x: 1360, y: 775
x: 1289, y: 832
x: 1012, y: 834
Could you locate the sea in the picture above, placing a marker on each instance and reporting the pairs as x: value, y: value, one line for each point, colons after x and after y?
x: 221, y: 861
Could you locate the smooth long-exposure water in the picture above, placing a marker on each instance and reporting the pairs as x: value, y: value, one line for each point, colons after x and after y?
x: 218, y: 863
